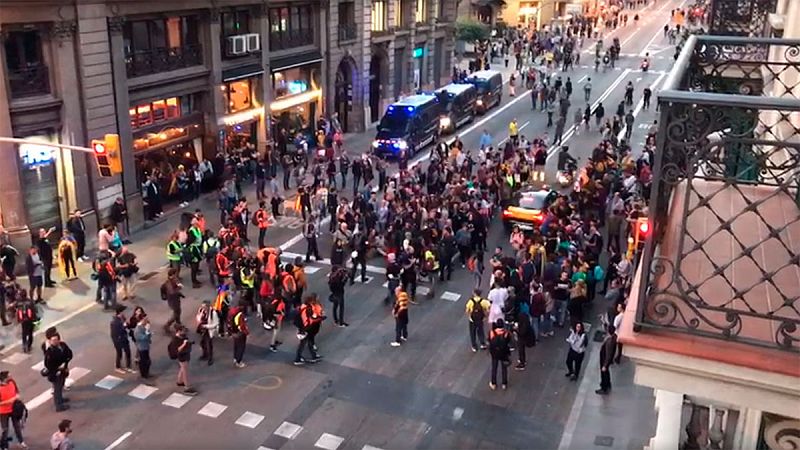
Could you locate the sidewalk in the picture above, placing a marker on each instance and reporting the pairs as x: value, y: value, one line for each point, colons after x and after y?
x: 625, y: 419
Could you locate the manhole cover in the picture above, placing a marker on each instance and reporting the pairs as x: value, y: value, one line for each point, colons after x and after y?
x: 603, y: 441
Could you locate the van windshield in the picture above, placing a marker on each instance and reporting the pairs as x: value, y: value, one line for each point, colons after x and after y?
x: 394, y: 123
x: 481, y: 85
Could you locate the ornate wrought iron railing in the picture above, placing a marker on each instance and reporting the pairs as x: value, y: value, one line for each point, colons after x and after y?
x: 724, y: 258
x: 160, y: 60
x: 29, y: 81
x: 740, y: 17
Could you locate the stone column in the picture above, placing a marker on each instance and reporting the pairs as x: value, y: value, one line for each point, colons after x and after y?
x: 264, y: 131
x: 130, y: 185
x: 12, y: 205
x: 73, y: 131
x: 212, y: 55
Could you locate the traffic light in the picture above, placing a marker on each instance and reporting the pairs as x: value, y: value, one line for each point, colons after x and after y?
x: 108, y: 156
x: 641, y: 232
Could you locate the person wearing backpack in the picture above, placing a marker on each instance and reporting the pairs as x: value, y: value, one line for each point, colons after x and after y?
x: 207, y: 321
x: 500, y: 351
x: 309, y: 320
x: 273, y: 313
x: 27, y: 317
x: 180, y: 349
x: 477, y: 310
x: 171, y: 292
x: 210, y: 249
x: 9, y: 402
x: 237, y: 326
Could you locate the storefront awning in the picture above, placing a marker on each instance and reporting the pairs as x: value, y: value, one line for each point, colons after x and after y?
x: 238, y: 73
x: 288, y: 62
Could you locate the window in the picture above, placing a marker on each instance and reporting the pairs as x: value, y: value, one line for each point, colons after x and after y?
x: 238, y: 96
x: 291, y: 26
x: 378, y: 16
x: 235, y: 22
x: 399, y: 13
x: 159, y: 111
x: 347, y: 13
x: 420, y: 15
x: 437, y: 9
x: 23, y: 50
x: 145, y: 36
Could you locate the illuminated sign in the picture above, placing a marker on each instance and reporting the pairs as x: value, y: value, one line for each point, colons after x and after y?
x: 297, y: 86
x: 418, y: 52
x: 34, y: 155
x: 241, y: 117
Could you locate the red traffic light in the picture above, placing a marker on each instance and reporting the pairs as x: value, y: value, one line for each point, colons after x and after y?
x: 644, y: 227
x: 99, y: 147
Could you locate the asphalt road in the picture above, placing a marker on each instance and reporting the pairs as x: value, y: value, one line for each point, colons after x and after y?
x: 430, y: 393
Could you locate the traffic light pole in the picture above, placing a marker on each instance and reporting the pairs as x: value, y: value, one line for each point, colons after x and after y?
x: 46, y: 144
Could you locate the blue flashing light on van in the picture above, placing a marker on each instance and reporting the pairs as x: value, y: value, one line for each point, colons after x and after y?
x: 409, y: 124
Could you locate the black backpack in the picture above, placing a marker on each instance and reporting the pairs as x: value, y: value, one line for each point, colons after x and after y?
x: 498, y: 346
x: 172, y: 349
x: 163, y: 291
x: 477, y: 314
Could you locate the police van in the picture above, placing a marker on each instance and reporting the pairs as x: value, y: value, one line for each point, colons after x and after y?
x: 489, y: 84
x: 410, y: 125
x: 458, y: 105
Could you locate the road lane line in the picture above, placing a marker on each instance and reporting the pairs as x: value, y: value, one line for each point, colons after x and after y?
x: 571, y: 130
x: 659, y: 32
x: 39, y: 400
x: 69, y: 316
x: 119, y: 440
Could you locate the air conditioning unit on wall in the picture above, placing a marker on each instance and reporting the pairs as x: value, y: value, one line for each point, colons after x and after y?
x: 237, y: 45
x: 253, y: 42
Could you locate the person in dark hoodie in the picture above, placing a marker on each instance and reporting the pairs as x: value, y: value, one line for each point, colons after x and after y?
x: 119, y: 337
x: 57, y: 356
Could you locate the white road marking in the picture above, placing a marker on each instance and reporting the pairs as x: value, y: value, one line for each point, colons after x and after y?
x: 176, y: 400
x: 451, y: 296
x: 659, y: 32
x: 212, y: 410
x: 577, y: 407
x: 249, y: 419
x: 109, y: 382
x: 458, y: 413
x: 17, y: 358
x: 288, y: 430
x: 142, y: 391
x: 422, y: 290
x: 39, y: 400
x: 54, y: 324
x: 369, y: 447
x: 327, y: 262
x: 261, y: 447
x: 582, y: 78
x: 119, y: 440
x: 309, y: 269
x: 640, y: 105
x: 329, y: 441
x: 75, y: 374
x: 38, y: 366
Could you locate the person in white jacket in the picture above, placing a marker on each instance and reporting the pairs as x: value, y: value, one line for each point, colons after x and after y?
x: 207, y: 325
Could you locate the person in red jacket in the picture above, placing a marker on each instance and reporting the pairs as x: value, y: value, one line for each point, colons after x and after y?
x: 309, y: 320
x: 9, y: 395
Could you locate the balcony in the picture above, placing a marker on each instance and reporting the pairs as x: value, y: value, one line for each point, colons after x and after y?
x: 347, y: 32
x: 29, y: 81
x: 724, y: 258
x: 163, y: 60
x: 740, y: 18
x: 290, y: 39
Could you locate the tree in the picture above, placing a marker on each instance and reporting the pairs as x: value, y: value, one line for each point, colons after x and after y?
x: 469, y: 30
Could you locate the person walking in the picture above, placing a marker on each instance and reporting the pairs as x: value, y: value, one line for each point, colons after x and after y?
x: 11, y: 410
x: 337, y: 279
x: 239, y: 331
x: 560, y: 123
x: 273, y: 312
x: 599, y: 113
x: 207, y: 321
x: 66, y: 250
x: 175, y: 253
x: 400, y: 313
x: 180, y: 350
x: 523, y: 333
x: 577, y: 340
x: 477, y: 311
x: 27, y: 317
x: 500, y: 351
x: 57, y: 356
x: 309, y: 320
x: 171, y: 291
x: 46, y: 255
x: 60, y: 439
x: 311, y: 234
x: 629, y: 118
x: 607, y: 351
x: 646, y: 97
x: 143, y: 338
x: 127, y: 269
x: 587, y: 90
x: 119, y: 337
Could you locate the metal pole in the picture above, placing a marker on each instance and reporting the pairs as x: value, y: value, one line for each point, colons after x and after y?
x: 47, y: 144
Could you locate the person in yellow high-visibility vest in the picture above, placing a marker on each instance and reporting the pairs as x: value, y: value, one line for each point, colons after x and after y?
x: 175, y: 253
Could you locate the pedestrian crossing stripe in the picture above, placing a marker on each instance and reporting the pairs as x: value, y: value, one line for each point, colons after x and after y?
x: 423, y: 290
x: 176, y: 400
x: 142, y: 391
x: 212, y: 410
x: 38, y: 366
x: 369, y: 447
x: 288, y: 430
x: 249, y: 419
x: 75, y: 374
x: 329, y: 441
x: 366, y: 280
x: 109, y: 382
x: 451, y: 296
x: 16, y: 358
x: 309, y: 269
